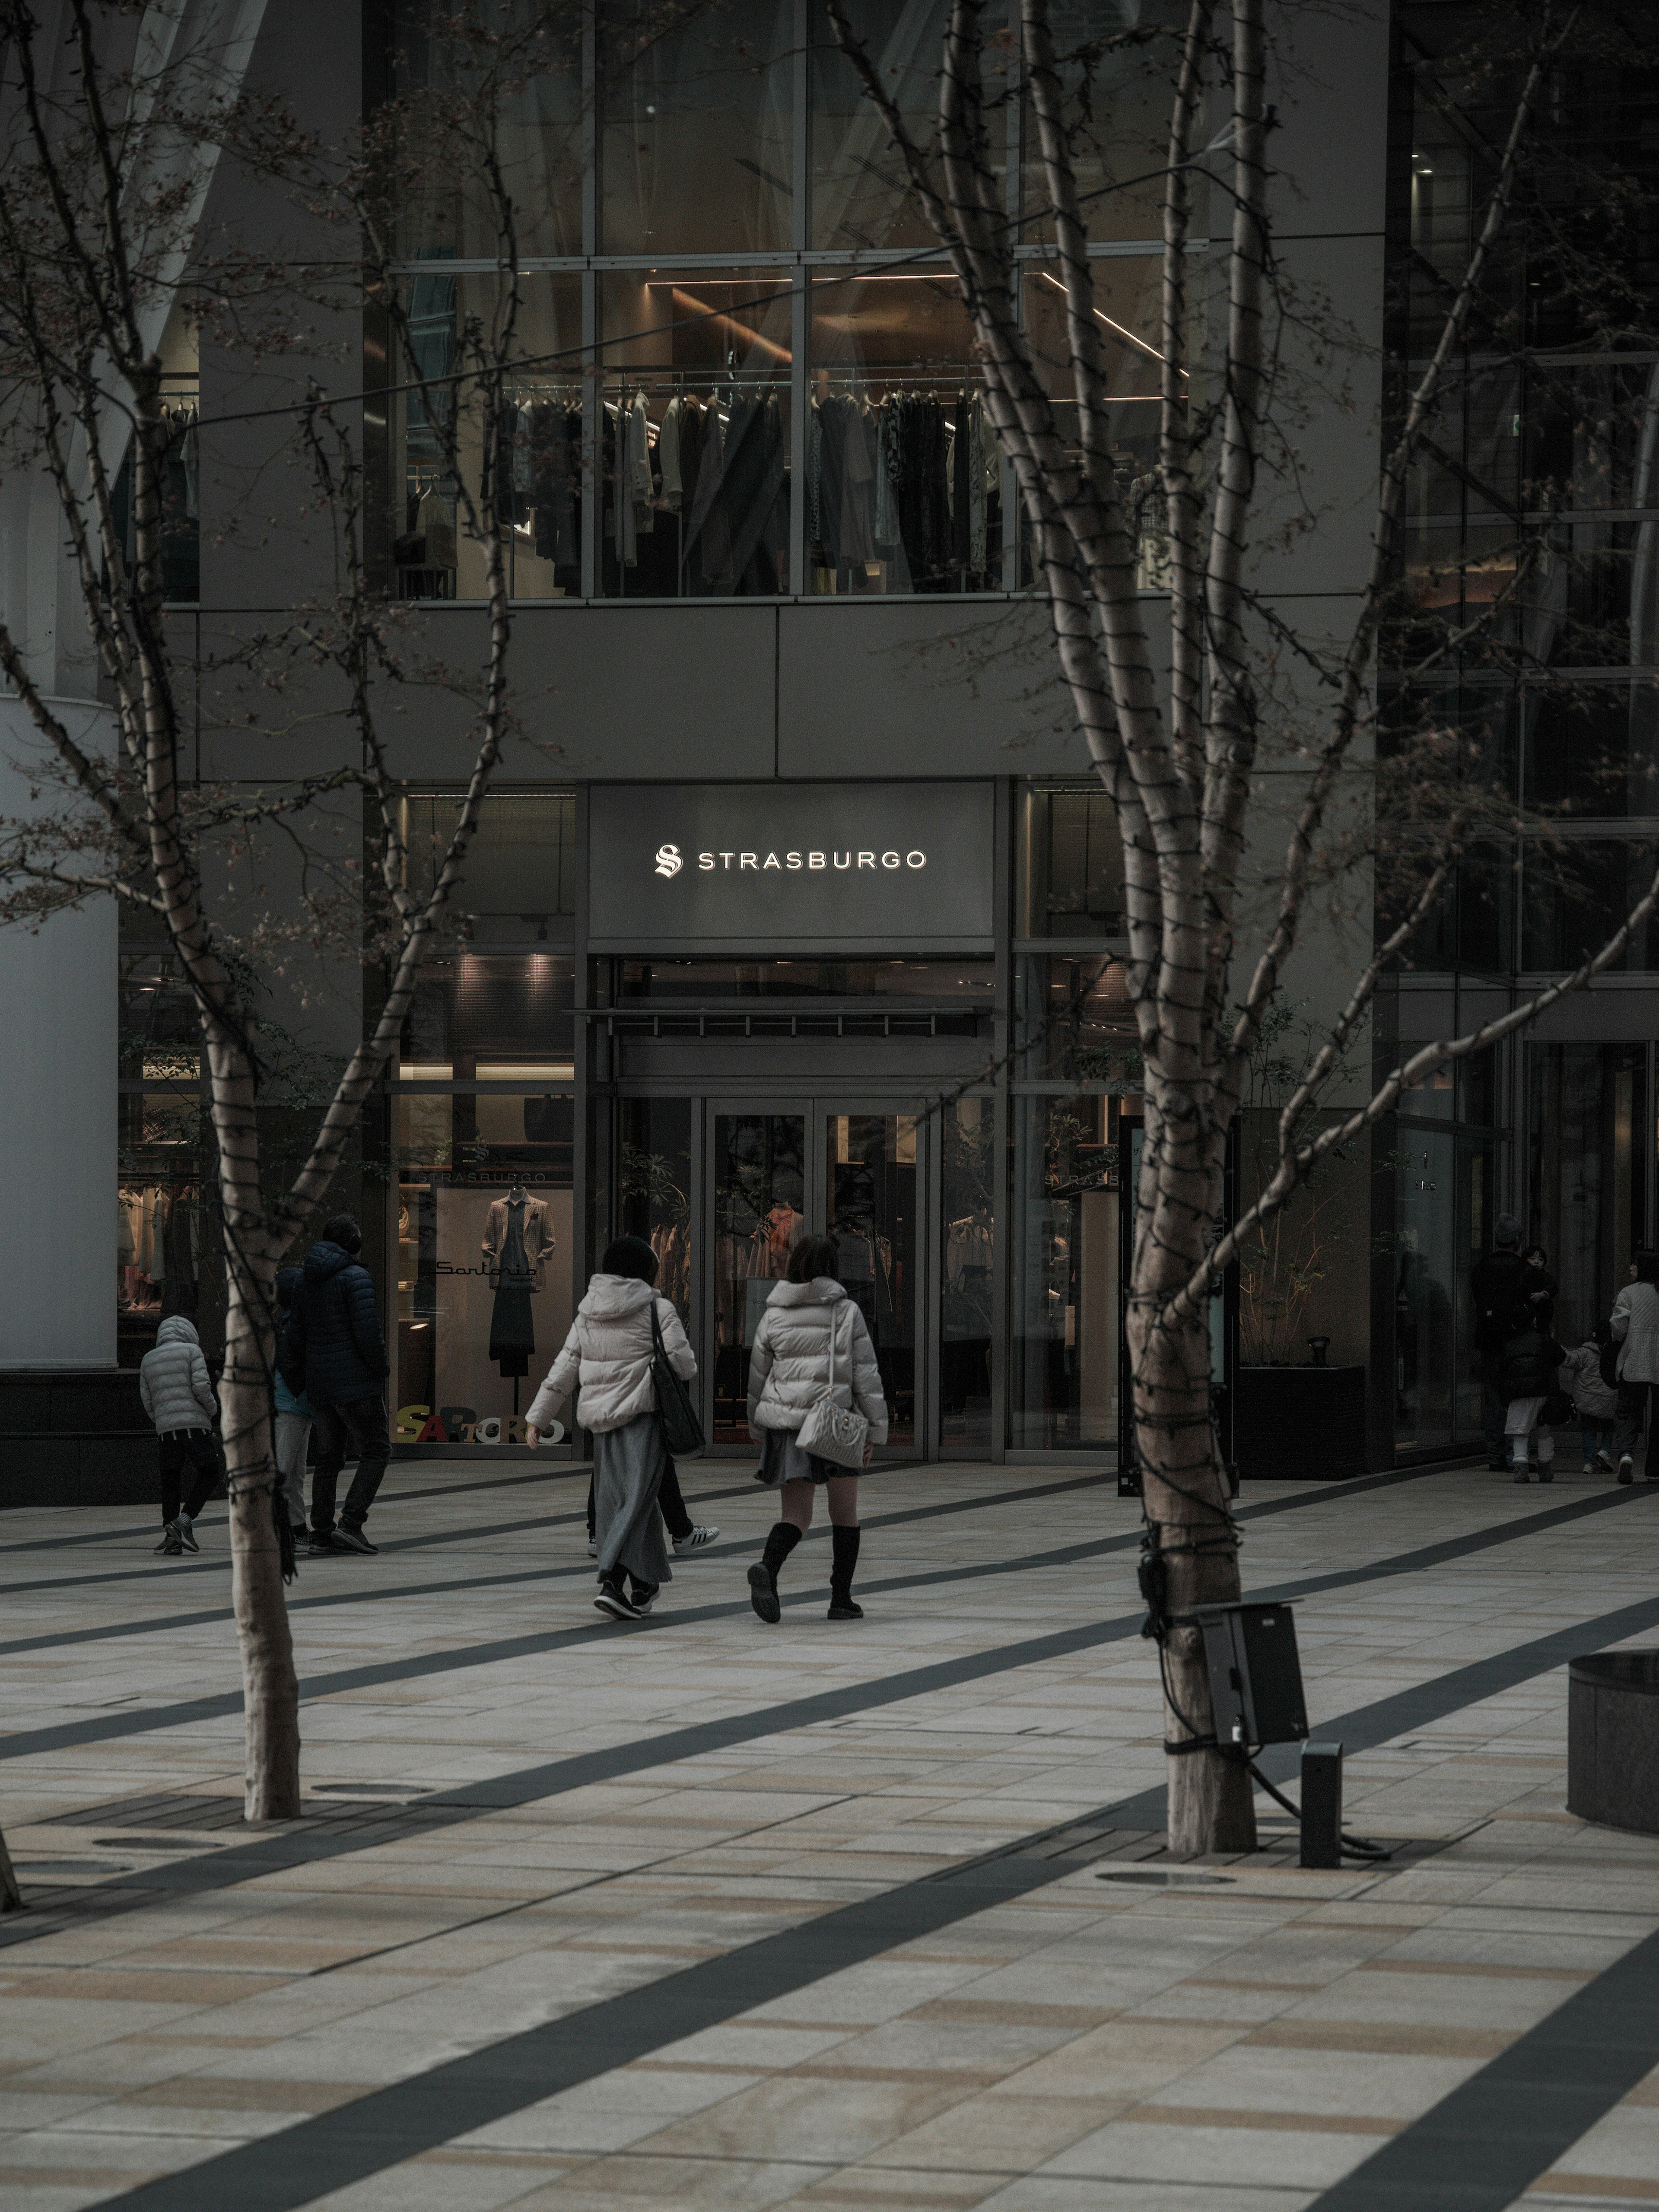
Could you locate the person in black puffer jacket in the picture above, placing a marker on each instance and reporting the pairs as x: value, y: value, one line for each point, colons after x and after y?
x: 1532, y: 1361
x: 332, y: 1349
x: 1498, y: 1285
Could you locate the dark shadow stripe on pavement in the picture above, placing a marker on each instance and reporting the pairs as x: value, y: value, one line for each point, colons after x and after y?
x: 293, y: 2166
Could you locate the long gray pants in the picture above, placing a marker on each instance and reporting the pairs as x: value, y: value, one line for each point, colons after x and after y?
x: 293, y: 1435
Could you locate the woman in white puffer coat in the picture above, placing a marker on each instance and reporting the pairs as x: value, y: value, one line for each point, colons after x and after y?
x: 607, y: 1356
x: 811, y: 1335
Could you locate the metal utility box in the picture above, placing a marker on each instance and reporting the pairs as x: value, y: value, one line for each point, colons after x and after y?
x: 1256, y: 1676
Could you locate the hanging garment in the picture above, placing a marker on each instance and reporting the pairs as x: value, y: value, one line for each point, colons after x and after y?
x: 885, y: 521
x: 639, y: 481
x: 668, y: 453
x: 858, y: 483
x: 709, y: 535
x: 434, y: 520
x: 553, y: 468
x: 512, y: 1324
x: 620, y: 516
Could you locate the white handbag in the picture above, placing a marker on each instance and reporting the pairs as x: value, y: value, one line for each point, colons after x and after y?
x: 838, y: 1433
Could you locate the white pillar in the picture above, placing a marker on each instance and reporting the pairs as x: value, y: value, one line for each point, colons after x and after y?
x: 58, y: 1067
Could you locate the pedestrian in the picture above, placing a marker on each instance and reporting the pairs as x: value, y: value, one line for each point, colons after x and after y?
x: 607, y: 1356
x: 1594, y: 1399
x: 1538, y: 1285
x: 1532, y: 1358
x: 811, y: 1338
x: 1498, y: 1286
x: 177, y: 1394
x: 293, y: 1424
x: 687, y: 1535
x: 1635, y: 1327
x: 338, y: 1359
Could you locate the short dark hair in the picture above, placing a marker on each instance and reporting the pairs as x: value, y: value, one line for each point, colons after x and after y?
x: 343, y: 1231
x: 1647, y: 1266
x: 814, y: 1256
x: 629, y: 1255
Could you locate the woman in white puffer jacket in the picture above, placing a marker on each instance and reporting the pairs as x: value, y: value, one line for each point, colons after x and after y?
x: 607, y: 1356
x: 811, y: 1332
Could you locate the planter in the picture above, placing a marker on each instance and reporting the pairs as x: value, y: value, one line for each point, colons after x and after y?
x: 76, y: 1438
x: 1299, y: 1424
x: 1613, y: 1739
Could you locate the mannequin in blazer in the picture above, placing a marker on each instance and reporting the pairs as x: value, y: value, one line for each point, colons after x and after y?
x: 539, y: 1239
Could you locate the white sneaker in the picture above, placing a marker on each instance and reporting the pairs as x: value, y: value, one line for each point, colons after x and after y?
x: 592, y: 1547
x: 695, y: 1538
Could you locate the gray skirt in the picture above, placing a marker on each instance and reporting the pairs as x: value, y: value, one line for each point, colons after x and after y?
x: 629, y: 1464
x: 783, y: 1460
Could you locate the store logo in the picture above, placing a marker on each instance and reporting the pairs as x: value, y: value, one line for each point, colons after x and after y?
x: 669, y: 862
x: 735, y: 863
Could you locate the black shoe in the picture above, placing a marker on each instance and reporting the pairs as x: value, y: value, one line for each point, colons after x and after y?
x: 763, y: 1594
x: 353, y: 1540
x: 322, y: 1540
x: 644, y: 1596
x: 844, y: 1549
x: 1626, y: 1471
x: 1546, y: 1474
x: 169, y: 1547
x: 187, y: 1534
x: 611, y: 1600
x: 843, y: 1608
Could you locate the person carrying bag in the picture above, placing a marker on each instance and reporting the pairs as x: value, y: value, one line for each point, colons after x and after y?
x: 817, y: 1410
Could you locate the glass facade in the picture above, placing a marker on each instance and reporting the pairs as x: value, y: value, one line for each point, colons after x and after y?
x: 725, y: 392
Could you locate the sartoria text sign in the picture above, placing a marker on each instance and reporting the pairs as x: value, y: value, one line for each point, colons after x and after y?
x: 727, y: 867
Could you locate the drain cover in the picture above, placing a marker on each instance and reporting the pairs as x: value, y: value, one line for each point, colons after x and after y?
x: 1168, y: 1878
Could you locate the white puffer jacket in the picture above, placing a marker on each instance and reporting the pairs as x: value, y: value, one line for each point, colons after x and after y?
x: 1636, y: 1331
x: 608, y: 1354
x: 789, y: 1360
x: 173, y: 1381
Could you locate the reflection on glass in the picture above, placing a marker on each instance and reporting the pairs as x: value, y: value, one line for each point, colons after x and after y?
x: 1586, y: 1189
x: 696, y: 126
x: 477, y: 1016
x: 760, y: 1216
x: 1427, y: 1275
x: 1070, y: 864
x: 1075, y: 1019
x: 904, y: 473
x: 1063, y: 1371
x: 495, y: 79
x: 654, y: 1183
x: 1576, y: 896
x: 694, y: 435
x: 967, y: 1273
x: 484, y: 1246
x: 872, y: 1218
x: 1116, y: 113
x: 861, y: 193
x: 536, y: 465
x: 802, y: 979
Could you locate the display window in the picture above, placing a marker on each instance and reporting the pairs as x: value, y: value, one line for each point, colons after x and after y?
x: 519, y: 878
x: 483, y: 1236
x: 1074, y: 1019
x: 968, y: 1265
x: 1069, y: 863
x: 1063, y: 1359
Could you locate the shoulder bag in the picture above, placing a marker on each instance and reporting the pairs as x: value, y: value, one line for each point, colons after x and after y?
x: 838, y: 1433
x: 682, y: 1431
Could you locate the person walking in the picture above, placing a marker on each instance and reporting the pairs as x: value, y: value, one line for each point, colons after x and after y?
x: 339, y: 1361
x: 1538, y: 1286
x: 1532, y: 1358
x: 685, y: 1533
x: 1498, y: 1282
x: 811, y: 1338
x: 292, y: 1426
x: 1635, y: 1327
x: 1596, y: 1401
x: 177, y: 1394
x: 607, y: 1356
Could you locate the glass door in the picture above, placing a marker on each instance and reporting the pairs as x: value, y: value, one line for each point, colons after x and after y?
x: 758, y: 1186
x: 872, y: 1208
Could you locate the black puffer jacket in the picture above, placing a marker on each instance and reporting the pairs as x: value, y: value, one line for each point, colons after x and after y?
x: 334, y: 1333
x: 1530, y: 1361
x: 1498, y: 1297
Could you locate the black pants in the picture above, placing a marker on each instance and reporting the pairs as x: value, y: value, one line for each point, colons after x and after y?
x: 362, y: 1425
x: 1633, y: 1399
x: 669, y: 1500
x: 197, y: 1446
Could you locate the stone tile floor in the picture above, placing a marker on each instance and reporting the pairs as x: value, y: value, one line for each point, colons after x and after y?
x: 1096, y: 2043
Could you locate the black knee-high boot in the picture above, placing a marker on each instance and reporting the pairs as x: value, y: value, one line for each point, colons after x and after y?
x: 763, y: 1575
x: 844, y: 1543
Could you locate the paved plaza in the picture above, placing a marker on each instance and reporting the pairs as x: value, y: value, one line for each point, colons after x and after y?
x: 695, y: 1913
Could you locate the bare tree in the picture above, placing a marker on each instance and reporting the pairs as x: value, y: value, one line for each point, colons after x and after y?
x: 111, y: 137
x: 1181, y: 753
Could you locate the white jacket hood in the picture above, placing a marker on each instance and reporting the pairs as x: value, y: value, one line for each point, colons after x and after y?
x: 822, y: 1290
x: 610, y: 1297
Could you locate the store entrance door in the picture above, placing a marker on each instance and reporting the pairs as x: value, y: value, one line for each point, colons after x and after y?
x: 776, y: 1174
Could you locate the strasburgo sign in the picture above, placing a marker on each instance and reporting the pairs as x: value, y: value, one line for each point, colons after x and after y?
x: 726, y: 867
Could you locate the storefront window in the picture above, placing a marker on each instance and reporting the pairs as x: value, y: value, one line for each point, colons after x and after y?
x: 1575, y: 897
x: 519, y: 877
x: 539, y: 446
x: 1445, y: 1168
x: 694, y: 433
x: 1591, y: 749
x: 1075, y: 1019
x: 488, y: 1017
x: 1070, y: 864
x: 1586, y: 1190
x: 697, y: 141
x: 1063, y: 1364
x: 760, y: 1216
x: 484, y: 1240
x: 971, y: 980
x: 871, y: 1213
x: 904, y: 472
x: 968, y: 1274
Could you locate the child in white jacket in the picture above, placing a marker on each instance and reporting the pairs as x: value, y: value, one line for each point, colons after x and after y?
x: 1596, y: 1403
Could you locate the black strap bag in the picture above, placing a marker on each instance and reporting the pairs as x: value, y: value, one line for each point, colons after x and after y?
x: 682, y: 1431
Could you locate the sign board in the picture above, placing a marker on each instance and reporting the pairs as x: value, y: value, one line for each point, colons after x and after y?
x: 790, y: 867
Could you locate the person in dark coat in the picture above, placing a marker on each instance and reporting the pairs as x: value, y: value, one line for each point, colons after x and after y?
x: 334, y: 1351
x: 1499, y: 1286
x: 1531, y: 1363
x: 1539, y: 1287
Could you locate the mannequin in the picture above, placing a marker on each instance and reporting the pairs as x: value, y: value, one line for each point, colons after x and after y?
x: 516, y: 1244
